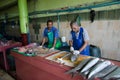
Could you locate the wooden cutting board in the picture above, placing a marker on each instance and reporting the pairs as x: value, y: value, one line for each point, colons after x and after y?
x: 66, y: 60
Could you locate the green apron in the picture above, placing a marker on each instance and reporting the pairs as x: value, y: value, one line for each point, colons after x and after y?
x: 51, y: 41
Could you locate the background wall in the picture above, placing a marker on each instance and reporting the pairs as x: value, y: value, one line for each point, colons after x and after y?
x: 104, y: 32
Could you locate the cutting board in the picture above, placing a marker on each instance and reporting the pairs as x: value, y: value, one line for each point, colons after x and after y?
x: 66, y: 60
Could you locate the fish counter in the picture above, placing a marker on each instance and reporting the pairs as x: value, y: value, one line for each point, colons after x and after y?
x: 4, y: 46
x: 59, y: 65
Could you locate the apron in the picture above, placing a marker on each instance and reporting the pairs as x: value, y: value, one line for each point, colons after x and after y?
x: 51, y: 41
x: 78, y: 43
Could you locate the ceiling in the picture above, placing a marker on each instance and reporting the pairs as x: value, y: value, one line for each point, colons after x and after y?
x: 5, y: 4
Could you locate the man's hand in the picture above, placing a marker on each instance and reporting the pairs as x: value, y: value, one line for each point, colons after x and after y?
x: 71, y: 49
x: 76, y: 52
x: 51, y: 49
x: 41, y: 46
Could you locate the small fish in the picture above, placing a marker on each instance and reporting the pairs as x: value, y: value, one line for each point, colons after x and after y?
x: 98, y: 68
x: 90, y: 64
x: 80, y: 66
x: 113, y: 75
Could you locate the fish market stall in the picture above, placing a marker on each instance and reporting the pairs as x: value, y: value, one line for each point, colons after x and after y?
x: 7, y: 45
x: 38, y: 68
x: 57, y: 65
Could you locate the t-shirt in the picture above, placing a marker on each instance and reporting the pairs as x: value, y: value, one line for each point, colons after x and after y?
x: 85, y: 35
x: 53, y: 29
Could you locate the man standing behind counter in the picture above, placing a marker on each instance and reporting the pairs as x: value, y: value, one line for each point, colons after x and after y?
x: 51, y: 33
x: 78, y: 39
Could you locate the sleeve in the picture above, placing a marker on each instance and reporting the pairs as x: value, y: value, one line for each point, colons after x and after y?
x: 85, y: 35
x: 45, y: 33
x: 70, y: 36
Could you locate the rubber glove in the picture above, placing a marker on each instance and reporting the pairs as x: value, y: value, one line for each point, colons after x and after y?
x: 51, y: 49
x: 71, y: 49
x: 41, y: 46
x: 76, y: 52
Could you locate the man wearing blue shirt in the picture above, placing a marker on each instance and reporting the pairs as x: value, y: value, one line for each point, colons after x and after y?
x: 51, y: 33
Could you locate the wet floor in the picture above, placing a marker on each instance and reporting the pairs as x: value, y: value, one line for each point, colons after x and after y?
x: 5, y: 76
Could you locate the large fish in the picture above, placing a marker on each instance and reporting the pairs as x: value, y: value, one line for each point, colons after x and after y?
x: 80, y: 66
x: 85, y: 73
x: 90, y: 64
x: 98, y: 68
x: 113, y: 75
x: 105, y: 71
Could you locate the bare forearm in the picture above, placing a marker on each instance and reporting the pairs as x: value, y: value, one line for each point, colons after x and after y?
x: 54, y: 42
x: 84, y: 46
x: 71, y: 43
x: 43, y: 41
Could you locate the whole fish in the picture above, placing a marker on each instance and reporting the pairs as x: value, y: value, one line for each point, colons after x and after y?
x: 90, y: 64
x: 80, y: 66
x: 115, y: 78
x: 105, y: 71
x: 98, y: 68
x: 85, y: 74
x: 113, y: 75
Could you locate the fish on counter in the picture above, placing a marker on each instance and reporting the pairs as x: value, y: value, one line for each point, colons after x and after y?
x: 66, y: 60
x: 60, y: 60
x: 61, y: 57
x: 79, y: 66
x: 90, y: 64
x: 92, y: 68
x: 85, y: 73
x: 99, y: 67
x: 106, y: 71
x: 74, y: 57
x: 22, y: 49
x: 114, y: 75
x: 27, y: 47
x: 34, y: 49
